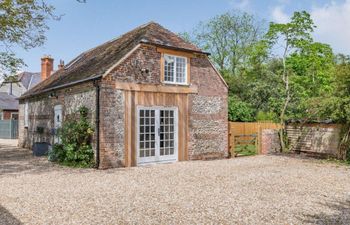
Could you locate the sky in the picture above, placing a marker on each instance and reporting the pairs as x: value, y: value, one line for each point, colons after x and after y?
x: 86, y: 25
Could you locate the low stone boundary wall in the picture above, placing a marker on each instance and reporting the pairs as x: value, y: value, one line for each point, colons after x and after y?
x: 269, y: 141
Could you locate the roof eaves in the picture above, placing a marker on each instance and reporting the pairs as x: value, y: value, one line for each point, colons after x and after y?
x: 60, y: 87
x: 173, y: 48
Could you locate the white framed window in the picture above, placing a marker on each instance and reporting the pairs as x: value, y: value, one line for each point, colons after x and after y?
x: 175, y: 69
x: 26, y: 114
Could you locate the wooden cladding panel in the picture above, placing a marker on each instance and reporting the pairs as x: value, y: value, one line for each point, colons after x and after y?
x: 168, y: 88
x: 149, y: 99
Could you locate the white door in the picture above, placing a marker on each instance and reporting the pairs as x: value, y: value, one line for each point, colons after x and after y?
x: 157, y: 134
x: 57, y: 121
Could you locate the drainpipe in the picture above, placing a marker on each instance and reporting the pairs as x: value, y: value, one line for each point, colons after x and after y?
x: 97, y: 122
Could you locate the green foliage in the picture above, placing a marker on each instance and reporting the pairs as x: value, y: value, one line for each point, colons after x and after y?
x: 230, y: 38
x: 75, y: 148
x: 266, y: 116
x: 239, y: 111
x: 245, y: 150
x: 22, y: 24
x: 304, y: 82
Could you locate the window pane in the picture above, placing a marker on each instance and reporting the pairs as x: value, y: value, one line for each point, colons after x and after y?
x: 169, y: 62
x: 180, y: 70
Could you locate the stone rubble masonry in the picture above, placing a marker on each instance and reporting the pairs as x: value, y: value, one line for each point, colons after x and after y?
x: 206, y: 104
x: 270, y: 142
x: 41, y: 112
x: 146, y: 57
x: 208, y: 113
x: 112, y: 124
x: 207, y: 109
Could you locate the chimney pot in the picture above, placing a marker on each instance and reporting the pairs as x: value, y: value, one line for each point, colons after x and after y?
x: 46, y: 66
x: 61, y: 65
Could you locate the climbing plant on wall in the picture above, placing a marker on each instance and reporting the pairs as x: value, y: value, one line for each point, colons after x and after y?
x: 75, y: 148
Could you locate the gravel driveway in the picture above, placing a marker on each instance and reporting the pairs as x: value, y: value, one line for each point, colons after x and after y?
x: 250, y: 190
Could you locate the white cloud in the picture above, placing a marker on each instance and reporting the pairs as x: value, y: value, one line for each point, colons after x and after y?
x: 333, y: 25
x: 278, y: 15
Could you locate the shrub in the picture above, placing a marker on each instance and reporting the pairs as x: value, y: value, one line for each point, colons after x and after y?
x: 239, y: 110
x: 75, y: 148
x: 266, y: 116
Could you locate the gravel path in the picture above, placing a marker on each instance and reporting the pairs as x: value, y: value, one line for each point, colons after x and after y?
x: 250, y: 190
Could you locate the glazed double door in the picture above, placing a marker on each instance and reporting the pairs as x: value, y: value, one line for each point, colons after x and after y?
x: 157, y: 136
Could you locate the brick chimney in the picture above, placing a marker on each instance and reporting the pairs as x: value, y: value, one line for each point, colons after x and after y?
x: 46, y: 66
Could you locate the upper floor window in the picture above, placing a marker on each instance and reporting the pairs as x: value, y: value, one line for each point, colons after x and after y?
x: 175, y: 69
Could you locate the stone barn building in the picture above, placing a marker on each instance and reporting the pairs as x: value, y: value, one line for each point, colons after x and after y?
x: 152, y: 96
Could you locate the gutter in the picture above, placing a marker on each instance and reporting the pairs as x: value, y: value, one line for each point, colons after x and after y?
x: 97, y: 122
x: 61, y: 86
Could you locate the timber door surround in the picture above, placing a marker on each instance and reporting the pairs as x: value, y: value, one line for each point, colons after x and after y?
x: 157, y: 136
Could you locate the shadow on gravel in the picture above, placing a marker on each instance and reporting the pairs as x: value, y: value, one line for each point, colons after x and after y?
x: 340, y: 215
x: 15, y: 160
x: 7, y: 218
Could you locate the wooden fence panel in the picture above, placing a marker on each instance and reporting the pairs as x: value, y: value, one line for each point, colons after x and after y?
x: 248, y: 128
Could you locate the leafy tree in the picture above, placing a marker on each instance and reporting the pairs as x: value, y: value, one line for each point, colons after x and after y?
x: 335, y: 105
x: 292, y: 36
x: 23, y: 24
x: 229, y: 38
x: 239, y: 110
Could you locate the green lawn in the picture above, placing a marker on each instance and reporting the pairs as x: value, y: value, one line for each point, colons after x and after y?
x: 245, y: 150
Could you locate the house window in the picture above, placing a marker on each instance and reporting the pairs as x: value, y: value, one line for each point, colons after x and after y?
x: 26, y: 115
x: 175, y: 69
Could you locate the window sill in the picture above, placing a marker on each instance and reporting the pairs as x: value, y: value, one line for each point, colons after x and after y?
x: 175, y: 84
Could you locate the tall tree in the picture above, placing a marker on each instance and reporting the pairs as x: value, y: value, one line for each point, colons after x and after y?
x: 229, y: 38
x: 291, y: 36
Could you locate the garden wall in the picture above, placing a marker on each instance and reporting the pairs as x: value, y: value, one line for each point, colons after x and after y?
x: 321, y: 139
x: 269, y: 141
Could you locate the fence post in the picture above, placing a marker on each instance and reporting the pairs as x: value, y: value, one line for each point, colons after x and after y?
x: 257, y: 142
x: 229, y: 139
x: 259, y: 145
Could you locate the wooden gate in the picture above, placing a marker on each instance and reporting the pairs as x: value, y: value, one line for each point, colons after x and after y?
x: 244, y: 137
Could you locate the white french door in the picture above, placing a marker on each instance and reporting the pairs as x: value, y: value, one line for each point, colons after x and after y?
x: 157, y: 134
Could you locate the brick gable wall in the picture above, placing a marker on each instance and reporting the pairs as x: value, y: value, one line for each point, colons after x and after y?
x: 208, y: 113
